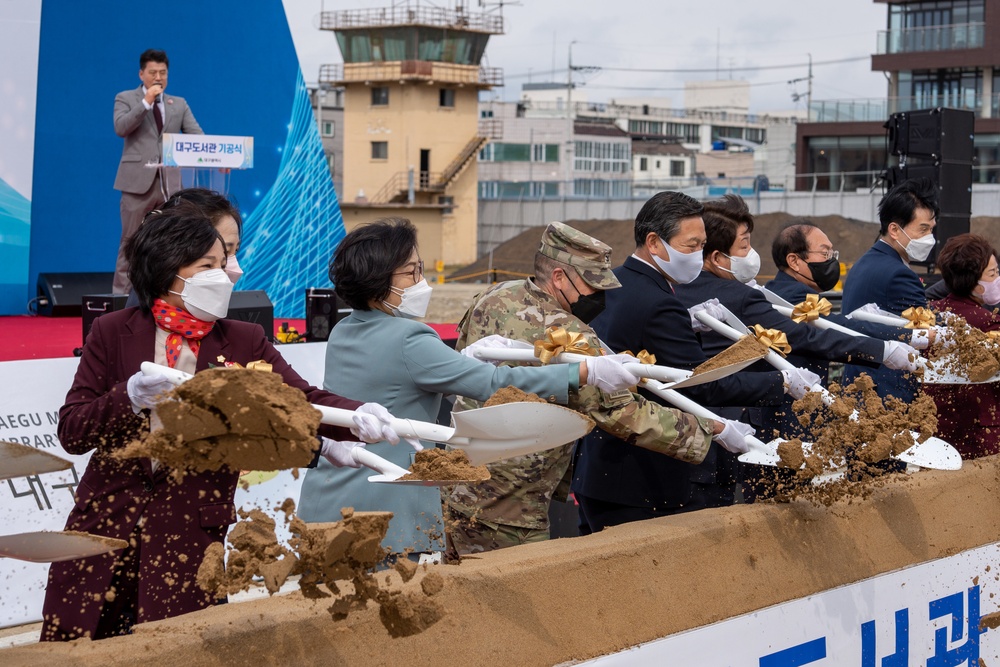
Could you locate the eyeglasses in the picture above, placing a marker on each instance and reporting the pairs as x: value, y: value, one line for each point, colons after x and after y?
x: 416, y: 273
x: 827, y: 254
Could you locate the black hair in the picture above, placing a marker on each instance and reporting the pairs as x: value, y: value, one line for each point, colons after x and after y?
x: 901, y: 202
x: 791, y: 240
x: 723, y: 218
x: 155, y: 56
x: 363, y: 264
x: 213, y: 204
x: 166, y: 242
x: 663, y: 213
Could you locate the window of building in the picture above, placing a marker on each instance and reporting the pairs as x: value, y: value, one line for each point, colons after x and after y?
x: 446, y: 98
x: 603, y: 156
x: 380, y: 96
x: 643, y: 164
x: 677, y: 168
x: 486, y: 113
x: 657, y: 164
x: 518, y: 190
x: 486, y: 153
x: 328, y: 128
x: 545, y: 152
x: 380, y: 150
x: 585, y: 187
x: 448, y: 202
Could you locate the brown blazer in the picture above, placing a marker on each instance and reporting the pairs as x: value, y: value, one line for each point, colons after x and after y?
x: 179, y: 520
x: 969, y: 415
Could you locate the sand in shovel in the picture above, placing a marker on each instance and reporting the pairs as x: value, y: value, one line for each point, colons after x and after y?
x: 745, y: 348
x: 235, y: 417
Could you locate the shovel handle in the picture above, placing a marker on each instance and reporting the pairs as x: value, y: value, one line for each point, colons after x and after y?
x: 652, y: 371
x: 377, y: 463
x: 879, y: 318
x: 404, y: 428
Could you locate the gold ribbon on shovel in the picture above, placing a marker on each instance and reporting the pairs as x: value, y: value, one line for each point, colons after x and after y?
x: 643, y: 357
x: 773, y: 339
x: 919, y: 318
x: 251, y: 366
x: 811, y: 309
x: 557, y: 340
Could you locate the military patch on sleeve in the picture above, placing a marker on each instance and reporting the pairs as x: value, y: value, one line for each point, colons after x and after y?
x: 615, y: 399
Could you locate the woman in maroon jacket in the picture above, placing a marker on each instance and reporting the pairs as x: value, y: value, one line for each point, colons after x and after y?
x: 968, y: 414
x: 176, y: 267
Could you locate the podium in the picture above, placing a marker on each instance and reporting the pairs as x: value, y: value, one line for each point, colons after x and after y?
x: 201, y: 161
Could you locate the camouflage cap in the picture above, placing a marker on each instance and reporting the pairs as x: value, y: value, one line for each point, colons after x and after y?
x: 590, y: 257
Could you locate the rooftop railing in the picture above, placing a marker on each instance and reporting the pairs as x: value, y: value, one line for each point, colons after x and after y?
x: 934, y: 38
x: 879, y: 109
x: 337, y: 73
x: 645, y: 111
x: 456, y: 19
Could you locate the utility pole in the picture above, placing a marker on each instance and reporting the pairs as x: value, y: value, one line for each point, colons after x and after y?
x: 570, y: 146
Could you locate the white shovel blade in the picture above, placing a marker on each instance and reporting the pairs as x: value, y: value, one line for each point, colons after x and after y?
x: 935, y: 373
x: 717, y: 374
x: 765, y: 454
x: 52, y: 547
x: 774, y: 299
x: 515, y: 429
x: 932, y: 453
x: 17, y: 460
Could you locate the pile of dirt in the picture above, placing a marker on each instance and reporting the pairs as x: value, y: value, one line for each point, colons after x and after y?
x: 849, y: 236
x: 522, y: 605
x: 855, y: 434
x: 744, y: 349
x: 236, y: 417
x: 333, y: 560
x: 511, y: 394
x: 445, y: 465
x: 971, y: 353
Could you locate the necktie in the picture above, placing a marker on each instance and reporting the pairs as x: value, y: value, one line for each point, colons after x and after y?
x: 158, y: 116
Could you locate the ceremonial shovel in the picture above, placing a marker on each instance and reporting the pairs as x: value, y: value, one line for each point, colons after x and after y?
x: 18, y: 460
x: 931, y: 453
x: 674, y: 378
x: 487, y: 434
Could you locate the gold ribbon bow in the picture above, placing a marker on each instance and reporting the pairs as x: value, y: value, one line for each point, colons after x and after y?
x: 811, y: 309
x: 558, y: 340
x: 919, y: 318
x: 253, y: 365
x: 773, y: 339
x: 643, y: 357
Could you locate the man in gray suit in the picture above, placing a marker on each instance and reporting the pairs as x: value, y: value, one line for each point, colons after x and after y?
x: 142, y: 115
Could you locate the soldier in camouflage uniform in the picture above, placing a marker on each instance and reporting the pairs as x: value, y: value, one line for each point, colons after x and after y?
x: 572, y: 270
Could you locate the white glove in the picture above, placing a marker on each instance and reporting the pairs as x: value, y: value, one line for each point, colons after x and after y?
x: 712, y: 307
x: 733, y: 436
x: 493, y: 342
x: 920, y: 339
x: 608, y: 374
x: 372, y: 423
x: 799, y: 382
x: 145, y: 391
x: 871, y: 308
x: 339, y: 453
x: 900, y: 356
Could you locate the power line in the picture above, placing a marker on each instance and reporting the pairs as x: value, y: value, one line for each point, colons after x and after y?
x: 714, y: 70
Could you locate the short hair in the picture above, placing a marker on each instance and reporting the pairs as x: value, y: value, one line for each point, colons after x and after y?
x: 363, y: 264
x: 663, y: 213
x: 545, y: 265
x: 155, y: 56
x: 166, y: 242
x: 901, y: 202
x: 962, y: 261
x: 213, y: 204
x: 723, y: 218
x: 791, y: 240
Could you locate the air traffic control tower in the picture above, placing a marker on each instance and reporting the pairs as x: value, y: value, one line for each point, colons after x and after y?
x: 411, y: 77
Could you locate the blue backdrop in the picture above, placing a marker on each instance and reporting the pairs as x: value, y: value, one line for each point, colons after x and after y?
x: 235, y: 63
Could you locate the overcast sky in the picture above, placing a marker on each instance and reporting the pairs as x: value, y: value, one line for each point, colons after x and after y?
x: 655, y: 34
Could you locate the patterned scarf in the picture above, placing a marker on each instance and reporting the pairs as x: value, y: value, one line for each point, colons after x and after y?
x: 182, y: 325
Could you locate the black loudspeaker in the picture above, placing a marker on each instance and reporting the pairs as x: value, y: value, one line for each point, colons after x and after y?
x: 952, y: 179
x: 60, y: 294
x: 323, y: 310
x: 95, y: 305
x: 941, y: 134
x: 253, y: 306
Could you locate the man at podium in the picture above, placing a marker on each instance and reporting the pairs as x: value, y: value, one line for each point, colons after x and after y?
x: 142, y: 115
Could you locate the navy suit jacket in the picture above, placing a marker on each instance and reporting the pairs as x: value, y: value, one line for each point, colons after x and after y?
x: 883, y: 278
x: 644, y: 314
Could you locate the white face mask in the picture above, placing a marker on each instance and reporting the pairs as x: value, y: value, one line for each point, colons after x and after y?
x: 682, y: 267
x: 233, y: 269
x: 206, y: 294
x: 413, y: 300
x: 991, y: 291
x: 744, y: 269
x: 919, y: 249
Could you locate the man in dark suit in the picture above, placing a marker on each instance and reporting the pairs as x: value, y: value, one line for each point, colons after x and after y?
x: 907, y: 217
x: 615, y: 483
x: 142, y: 115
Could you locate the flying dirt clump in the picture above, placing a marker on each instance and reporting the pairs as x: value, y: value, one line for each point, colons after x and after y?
x: 236, y: 417
x: 333, y: 560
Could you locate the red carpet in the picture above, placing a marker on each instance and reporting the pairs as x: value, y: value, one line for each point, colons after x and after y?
x: 35, y: 337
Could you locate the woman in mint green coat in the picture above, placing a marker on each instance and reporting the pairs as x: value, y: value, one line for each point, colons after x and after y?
x: 380, y: 353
